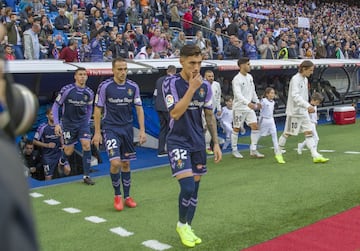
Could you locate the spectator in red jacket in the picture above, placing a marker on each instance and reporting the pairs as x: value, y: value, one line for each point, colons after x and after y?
x: 186, y: 25
x: 70, y: 53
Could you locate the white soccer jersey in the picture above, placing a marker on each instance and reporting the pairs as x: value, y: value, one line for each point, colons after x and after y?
x: 244, y: 92
x: 298, y: 96
x: 266, y: 121
x: 216, y: 98
x: 226, y: 115
x: 314, y: 116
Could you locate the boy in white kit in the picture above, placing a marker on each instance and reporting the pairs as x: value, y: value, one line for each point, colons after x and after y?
x: 267, y: 122
x: 226, y: 119
x: 316, y: 100
x: 244, y: 106
x: 298, y: 108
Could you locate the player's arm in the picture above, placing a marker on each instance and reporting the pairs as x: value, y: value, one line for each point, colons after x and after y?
x: 296, y: 95
x: 141, y: 120
x: 181, y: 107
x: 97, y: 138
x: 211, y: 126
x: 43, y: 144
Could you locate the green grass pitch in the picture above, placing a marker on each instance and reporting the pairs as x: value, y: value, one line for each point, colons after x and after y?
x: 241, y: 202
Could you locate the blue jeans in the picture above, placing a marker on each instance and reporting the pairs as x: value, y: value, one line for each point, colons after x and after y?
x: 18, y: 51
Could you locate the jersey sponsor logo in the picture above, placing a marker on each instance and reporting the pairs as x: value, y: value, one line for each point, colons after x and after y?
x: 169, y: 99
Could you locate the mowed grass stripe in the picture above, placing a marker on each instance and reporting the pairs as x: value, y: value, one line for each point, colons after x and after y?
x: 241, y: 202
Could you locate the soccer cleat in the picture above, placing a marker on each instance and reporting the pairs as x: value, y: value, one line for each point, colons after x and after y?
x: 236, y: 154
x: 320, y: 159
x: 256, y: 154
x: 88, y: 181
x: 129, y: 202
x: 209, y: 151
x: 279, y: 158
x: 186, y: 235
x: 299, y: 149
x: 162, y: 154
x: 118, y: 203
x: 195, y: 237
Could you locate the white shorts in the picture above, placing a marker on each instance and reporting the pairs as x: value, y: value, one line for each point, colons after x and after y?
x: 296, y: 124
x: 239, y: 117
x: 267, y: 126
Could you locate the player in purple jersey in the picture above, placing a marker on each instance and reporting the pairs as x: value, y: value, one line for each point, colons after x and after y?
x: 76, y: 101
x: 115, y: 98
x: 186, y: 96
x: 50, y: 144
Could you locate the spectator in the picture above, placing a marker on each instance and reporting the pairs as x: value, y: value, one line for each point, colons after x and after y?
x: 62, y: 22
x: 46, y: 29
x: 121, y: 13
x: 70, y: 53
x: 159, y: 10
x: 53, y: 7
x: 132, y: 13
x: 159, y: 42
x: 32, y: 161
x: 306, y: 51
x: 234, y: 50
x: 180, y: 41
x: 267, y: 50
x: 250, y: 49
x: 81, y: 23
x: 8, y: 53
x: 85, y: 49
x: 166, y: 29
x: 146, y: 52
x: 119, y: 48
x: 284, y: 51
x: 217, y: 44
x: 187, y: 23
x: 199, y: 40
x: 96, y: 48
x: 140, y: 39
x: 175, y: 20
x: 15, y: 36
x: 72, y: 16
x: 31, y: 43
x: 110, y: 21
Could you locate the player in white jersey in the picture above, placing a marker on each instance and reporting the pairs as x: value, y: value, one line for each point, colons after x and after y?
x: 216, y: 100
x: 226, y: 119
x: 297, y: 109
x: 316, y: 100
x: 244, y: 105
x: 267, y: 123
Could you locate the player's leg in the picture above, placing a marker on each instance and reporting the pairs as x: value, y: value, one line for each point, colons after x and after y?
x: 306, y: 127
x: 237, y: 123
x: 285, y: 134
x: 112, y: 144
x: 70, y: 136
x: 251, y: 121
x: 181, y: 167
x: 315, y: 135
x: 228, y: 131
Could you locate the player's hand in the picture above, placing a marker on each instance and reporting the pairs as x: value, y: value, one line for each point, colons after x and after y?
x: 218, y: 113
x: 258, y: 106
x: 51, y: 145
x: 217, y: 153
x: 252, y: 106
x: 96, y: 140
x: 311, y: 109
x: 196, y: 81
x: 58, y: 130
x: 142, y: 137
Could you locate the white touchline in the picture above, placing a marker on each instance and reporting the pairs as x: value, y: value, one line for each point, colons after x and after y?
x: 121, y: 231
x: 327, y: 151
x: 71, y: 210
x: 95, y: 219
x: 351, y: 152
x: 52, y: 202
x: 36, y: 195
x: 156, y: 245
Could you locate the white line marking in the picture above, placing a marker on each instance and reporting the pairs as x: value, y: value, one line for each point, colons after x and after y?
x: 156, y: 245
x: 327, y: 151
x: 350, y: 152
x: 52, y: 202
x: 95, y: 219
x: 71, y: 210
x: 304, y: 149
x: 121, y: 231
x: 36, y: 195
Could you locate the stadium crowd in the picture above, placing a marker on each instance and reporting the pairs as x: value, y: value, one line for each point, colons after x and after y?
x: 99, y: 30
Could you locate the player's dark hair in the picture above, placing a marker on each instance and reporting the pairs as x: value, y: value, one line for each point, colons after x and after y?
x: 80, y: 69
x: 48, y: 110
x: 305, y: 65
x: 227, y: 98
x: 243, y: 60
x: 317, y: 96
x: 189, y: 50
x: 119, y: 59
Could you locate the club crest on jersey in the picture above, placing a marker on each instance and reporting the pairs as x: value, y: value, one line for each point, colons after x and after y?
x: 180, y: 164
x: 130, y: 92
x: 169, y: 99
x: 202, y: 92
x: 86, y: 98
x: 111, y: 153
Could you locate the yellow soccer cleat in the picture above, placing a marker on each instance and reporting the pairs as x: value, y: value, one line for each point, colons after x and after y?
x: 195, y: 237
x: 279, y: 158
x: 320, y: 159
x: 186, y: 235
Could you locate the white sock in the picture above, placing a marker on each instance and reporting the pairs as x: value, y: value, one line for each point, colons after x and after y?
x: 179, y: 224
x: 310, y: 143
x: 254, y: 137
x: 282, y: 141
x: 234, y: 140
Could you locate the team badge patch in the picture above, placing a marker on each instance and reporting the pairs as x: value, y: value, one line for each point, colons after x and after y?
x: 169, y: 99
x: 201, y: 92
x: 180, y: 164
x: 130, y: 92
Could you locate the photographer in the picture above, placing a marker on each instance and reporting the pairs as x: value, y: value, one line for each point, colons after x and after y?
x: 17, y: 226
